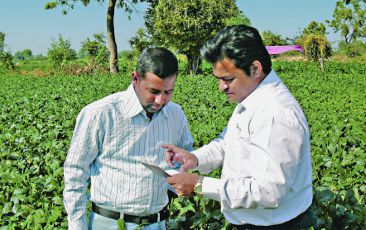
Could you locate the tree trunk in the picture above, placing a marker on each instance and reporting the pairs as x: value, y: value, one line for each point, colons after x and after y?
x: 112, y: 45
x: 194, y: 63
x: 321, y: 61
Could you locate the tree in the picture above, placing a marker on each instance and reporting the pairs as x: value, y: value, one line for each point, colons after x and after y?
x: 61, y: 52
x: 349, y: 18
x: 315, y: 28
x: 352, y: 50
x: 6, y: 58
x: 95, y: 49
x: 23, y: 55
x: 348, y: 1
x: 187, y: 25
x: 316, y: 47
x: 272, y: 39
x: 112, y: 4
x: 240, y: 19
x: 2, y: 42
x: 140, y: 41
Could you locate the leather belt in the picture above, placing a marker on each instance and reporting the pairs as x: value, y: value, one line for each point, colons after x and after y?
x: 153, y: 218
x: 305, y: 220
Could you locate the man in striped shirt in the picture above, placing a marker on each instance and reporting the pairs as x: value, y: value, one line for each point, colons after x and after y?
x: 113, y: 136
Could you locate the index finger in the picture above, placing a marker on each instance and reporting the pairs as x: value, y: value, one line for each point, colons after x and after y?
x: 168, y: 154
x: 169, y: 147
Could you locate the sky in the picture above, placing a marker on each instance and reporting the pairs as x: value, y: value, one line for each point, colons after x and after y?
x: 28, y: 26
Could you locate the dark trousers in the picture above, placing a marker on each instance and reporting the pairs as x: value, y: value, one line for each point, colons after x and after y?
x: 305, y: 220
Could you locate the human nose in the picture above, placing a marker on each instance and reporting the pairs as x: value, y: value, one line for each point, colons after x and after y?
x: 223, y: 85
x: 160, y: 99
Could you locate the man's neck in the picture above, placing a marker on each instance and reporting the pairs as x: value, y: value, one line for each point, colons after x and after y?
x: 149, y: 115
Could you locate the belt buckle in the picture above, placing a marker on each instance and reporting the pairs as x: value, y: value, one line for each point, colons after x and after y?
x: 144, y: 221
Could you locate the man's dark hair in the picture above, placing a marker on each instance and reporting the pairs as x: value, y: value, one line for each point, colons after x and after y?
x: 157, y: 60
x: 241, y: 44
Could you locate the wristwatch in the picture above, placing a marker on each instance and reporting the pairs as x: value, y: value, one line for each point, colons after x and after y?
x: 198, y: 186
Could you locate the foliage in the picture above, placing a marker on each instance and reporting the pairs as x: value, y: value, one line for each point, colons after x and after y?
x: 186, y: 25
x: 36, y: 122
x: 272, y: 39
x: 354, y: 49
x: 140, y: 41
x: 127, y: 5
x: 2, y: 41
x: 332, y: 102
x: 95, y: 50
x: 37, y: 116
x: 316, y: 48
x: 6, y: 58
x: 70, y: 4
x: 315, y: 28
x: 240, y: 19
x: 349, y: 19
x: 60, y: 52
x: 23, y: 55
x: 125, y: 54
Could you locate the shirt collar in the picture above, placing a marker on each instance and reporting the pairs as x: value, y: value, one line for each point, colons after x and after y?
x: 133, y: 105
x: 258, y: 94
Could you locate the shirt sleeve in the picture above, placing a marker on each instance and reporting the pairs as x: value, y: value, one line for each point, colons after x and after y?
x: 275, y: 149
x: 84, y: 148
x: 211, y: 156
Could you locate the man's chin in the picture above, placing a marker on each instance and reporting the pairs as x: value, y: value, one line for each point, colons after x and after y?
x: 154, y: 109
x: 231, y: 99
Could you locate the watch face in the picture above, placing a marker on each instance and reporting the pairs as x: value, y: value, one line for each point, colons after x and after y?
x: 198, y: 187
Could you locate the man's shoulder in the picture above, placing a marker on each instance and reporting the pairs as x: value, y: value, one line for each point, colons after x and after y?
x: 104, y: 104
x: 173, y: 107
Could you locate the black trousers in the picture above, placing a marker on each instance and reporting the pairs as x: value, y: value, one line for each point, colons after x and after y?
x: 305, y: 220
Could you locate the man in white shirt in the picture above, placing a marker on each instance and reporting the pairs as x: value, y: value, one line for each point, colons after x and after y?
x: 113, y: 136
x: 266, y: 180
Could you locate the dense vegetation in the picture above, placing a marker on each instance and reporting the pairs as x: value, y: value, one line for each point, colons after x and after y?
x: 37, y: 115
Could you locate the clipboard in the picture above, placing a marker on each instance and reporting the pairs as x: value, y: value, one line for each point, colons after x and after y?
x: 159, y: 171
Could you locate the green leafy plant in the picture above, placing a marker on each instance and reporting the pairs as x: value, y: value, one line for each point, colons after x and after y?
x: 60, y: 52
x: 37, y: 116
x: 316, y: 47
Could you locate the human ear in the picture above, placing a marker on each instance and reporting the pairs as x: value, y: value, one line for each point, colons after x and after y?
x: 135, y: 77
x: 255, y: 69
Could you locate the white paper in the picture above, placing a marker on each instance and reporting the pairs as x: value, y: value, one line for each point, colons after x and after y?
x: 160, y: 171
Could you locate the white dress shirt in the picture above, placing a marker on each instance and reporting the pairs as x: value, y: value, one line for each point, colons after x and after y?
x: 265, y: 156
x: 111, y: 137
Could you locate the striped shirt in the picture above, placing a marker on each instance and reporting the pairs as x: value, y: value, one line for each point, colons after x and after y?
x: 110, y: 139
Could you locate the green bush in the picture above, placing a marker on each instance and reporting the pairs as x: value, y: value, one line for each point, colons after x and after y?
x: 96, y: 49
x: 6, y: 60
x: 60, y: 52
x: 354, y: 49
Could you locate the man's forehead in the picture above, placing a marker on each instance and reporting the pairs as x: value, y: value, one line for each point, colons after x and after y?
x: 153, y: 75
x: 224, y: 68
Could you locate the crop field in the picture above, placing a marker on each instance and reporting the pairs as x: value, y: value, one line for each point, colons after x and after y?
x: 37, y: 116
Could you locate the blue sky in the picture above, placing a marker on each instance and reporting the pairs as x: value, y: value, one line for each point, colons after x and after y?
x: 28, y: 26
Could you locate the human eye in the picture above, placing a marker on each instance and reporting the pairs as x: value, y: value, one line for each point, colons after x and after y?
x: 228, y: 79
x: 169, y: 92
x: 154, y: 91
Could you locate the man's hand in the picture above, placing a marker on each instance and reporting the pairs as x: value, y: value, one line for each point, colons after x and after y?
x: 173, y: 153
x: 183, y: 183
